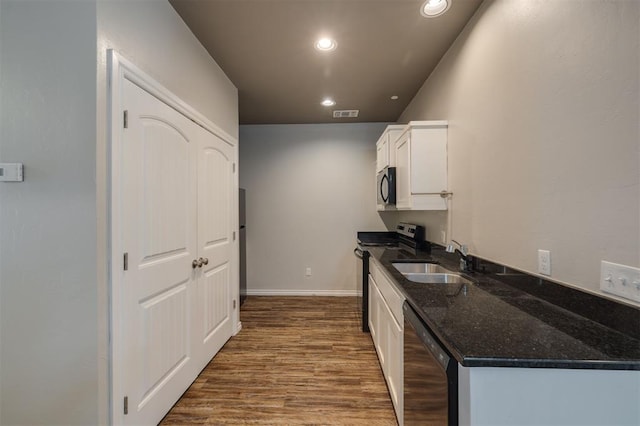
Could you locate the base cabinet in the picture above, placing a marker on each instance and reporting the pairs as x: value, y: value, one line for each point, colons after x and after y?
x: 387, y: 334
x: 394, y: 375
x: 377, y: 325
x: 547, y: 396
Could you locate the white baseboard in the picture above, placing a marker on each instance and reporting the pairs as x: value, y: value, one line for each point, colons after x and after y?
x: 298, y: 292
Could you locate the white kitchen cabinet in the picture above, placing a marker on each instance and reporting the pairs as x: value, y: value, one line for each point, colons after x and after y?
x: 547, y: 396
x: 421, y: 166
x: 386, y: 324
x: 375, y: 308
x: 394, y: 373
x: 385, y: 154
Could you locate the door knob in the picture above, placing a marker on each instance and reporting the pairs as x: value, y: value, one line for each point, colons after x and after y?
x: 197, y: 263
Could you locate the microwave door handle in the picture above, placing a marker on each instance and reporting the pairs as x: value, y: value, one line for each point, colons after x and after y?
x: 385, y: 199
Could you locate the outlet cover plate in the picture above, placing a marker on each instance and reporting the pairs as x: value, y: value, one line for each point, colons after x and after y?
x: 621, y: 280
x: 544, y: 262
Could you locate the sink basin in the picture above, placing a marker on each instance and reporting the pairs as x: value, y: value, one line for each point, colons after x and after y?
x: 420, y: 268
x: 429, y: 273
x: 437, y: 278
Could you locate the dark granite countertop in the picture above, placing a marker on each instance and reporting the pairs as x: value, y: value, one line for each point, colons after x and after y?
x: 510, y: 319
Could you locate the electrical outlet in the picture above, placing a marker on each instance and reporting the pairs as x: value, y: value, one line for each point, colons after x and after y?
x: 621, y: 280
x: 544, y: 262
x: 443, y: 237
x: 308, y: 272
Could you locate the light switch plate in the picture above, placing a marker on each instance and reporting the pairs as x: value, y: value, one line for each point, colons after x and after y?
x: 621, y: 280
x: 11, y: 172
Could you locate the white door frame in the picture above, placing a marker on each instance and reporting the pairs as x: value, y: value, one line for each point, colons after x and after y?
x: 120, y: 69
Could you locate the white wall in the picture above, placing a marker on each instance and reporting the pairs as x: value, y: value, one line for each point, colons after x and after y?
x: 53, y: 227
x: 151, y: 34
x: 542, y: 102
x: 310, y: 188
x: 48, y: 292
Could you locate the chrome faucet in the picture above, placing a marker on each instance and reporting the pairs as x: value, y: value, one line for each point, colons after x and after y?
x: 465, y: 259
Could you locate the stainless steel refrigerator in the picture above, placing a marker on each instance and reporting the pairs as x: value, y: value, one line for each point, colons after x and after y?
x: 243, y: 247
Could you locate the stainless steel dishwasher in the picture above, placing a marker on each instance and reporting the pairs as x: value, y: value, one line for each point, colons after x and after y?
x: 430, y: 376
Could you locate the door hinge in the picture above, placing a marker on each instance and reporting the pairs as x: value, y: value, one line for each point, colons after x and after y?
x: 126, y: 261
x: 126, y: 405
x: 126, y: 119
x: 234, y: 303
x: 234, y: 235
x: 234, y: 167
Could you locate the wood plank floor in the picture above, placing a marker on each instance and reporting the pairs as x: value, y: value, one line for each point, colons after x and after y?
x: 297, y: 360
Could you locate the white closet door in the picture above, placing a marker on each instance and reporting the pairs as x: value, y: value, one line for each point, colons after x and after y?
x: 159, y: 184
x: 216, y: 201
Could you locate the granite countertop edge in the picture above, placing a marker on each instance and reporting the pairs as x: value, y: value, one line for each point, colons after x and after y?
x: 414, y: 293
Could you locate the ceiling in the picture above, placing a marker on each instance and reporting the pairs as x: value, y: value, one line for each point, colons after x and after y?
x: 266, y: 48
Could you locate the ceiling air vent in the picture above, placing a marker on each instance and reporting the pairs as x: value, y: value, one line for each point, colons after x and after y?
x: 346, y: 113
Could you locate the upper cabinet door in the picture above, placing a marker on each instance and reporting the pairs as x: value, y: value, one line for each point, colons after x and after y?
x: 403, y: 172
x: 385, y: 155
x: 382, y: 152
x: 421, y: 166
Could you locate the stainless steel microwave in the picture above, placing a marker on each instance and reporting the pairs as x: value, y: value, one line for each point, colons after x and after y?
x: 387, y: 186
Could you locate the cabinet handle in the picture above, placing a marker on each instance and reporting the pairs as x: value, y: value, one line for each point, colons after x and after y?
x: 195, y: 264
x: 204, y: 261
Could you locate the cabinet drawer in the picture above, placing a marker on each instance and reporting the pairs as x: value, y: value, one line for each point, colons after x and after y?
x: 391, y: 295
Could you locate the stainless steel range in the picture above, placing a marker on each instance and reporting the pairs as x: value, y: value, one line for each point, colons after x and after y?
x: 407, y: 237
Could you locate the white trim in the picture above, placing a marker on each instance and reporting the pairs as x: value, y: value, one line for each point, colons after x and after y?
x: 118, y: 70
x: 298, y: 292
x: 122, y: 68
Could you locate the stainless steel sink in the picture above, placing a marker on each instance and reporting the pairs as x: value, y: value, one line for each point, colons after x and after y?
x: 437, y: 278
x: 429, y: 273
x: 420, y: 268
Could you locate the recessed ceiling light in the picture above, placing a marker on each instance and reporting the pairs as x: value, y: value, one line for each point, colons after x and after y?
x: 433, y: 8
x: 394, y: 97
x: 328, y: 102
x: 326, y: 44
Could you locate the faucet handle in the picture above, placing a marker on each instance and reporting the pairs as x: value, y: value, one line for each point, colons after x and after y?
x: 463, y: 248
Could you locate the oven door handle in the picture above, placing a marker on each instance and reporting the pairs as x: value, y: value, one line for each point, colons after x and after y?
x: 357, y: 252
